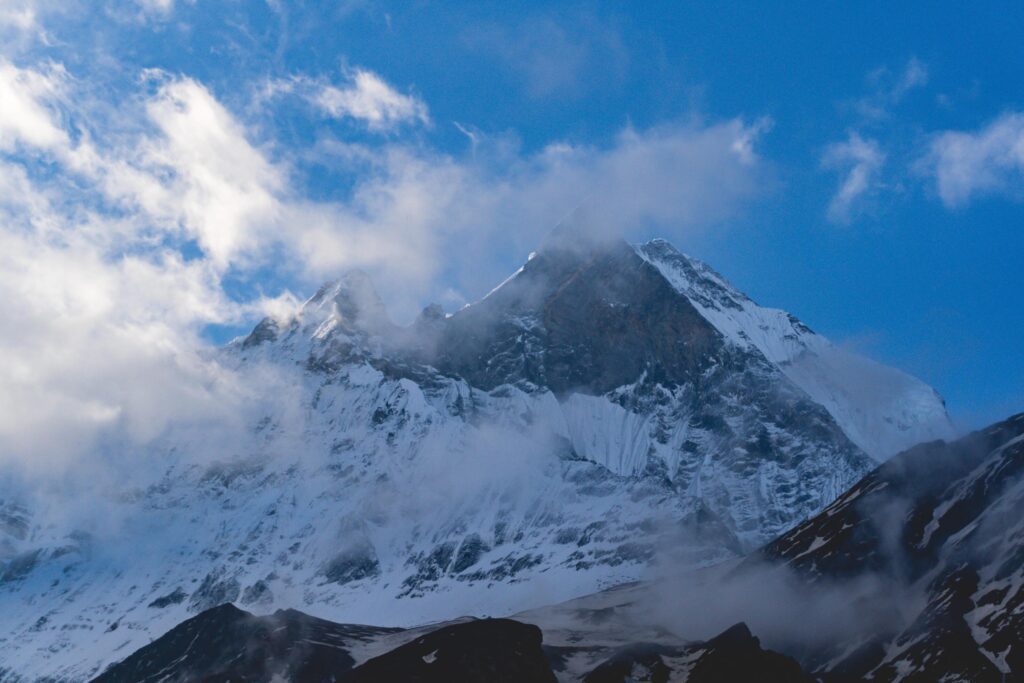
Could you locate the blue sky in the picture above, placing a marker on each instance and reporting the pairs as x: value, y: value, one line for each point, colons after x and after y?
x: 200, y: 164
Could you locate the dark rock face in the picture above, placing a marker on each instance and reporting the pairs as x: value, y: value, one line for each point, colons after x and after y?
x: 589, y: 319
x: 469, y: 553
x: 918, y: 481
x: 19, y: 566
x: 484, y: 651
x: 942, y: 525
x: 214, y: 590
x: 266, y: 331
x: 175, y: 597
x: 354, y: 563
x: 225, y: 643
x: 258, y: 593
x: 735, y: 655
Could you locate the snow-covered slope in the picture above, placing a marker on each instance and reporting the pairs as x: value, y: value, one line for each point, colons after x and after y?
x: 586, y: 420
x: 939, y: 527
x: 883, y: 410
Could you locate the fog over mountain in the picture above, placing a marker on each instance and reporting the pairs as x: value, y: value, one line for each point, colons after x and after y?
x: 361, y: 340
x: 607, y: 412
x: 913, y: 574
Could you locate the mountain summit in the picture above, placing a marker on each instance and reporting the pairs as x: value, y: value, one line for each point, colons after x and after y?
x: 605, y: 409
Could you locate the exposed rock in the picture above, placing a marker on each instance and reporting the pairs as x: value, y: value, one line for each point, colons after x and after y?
x: 258, y: 593
x: 469, y: 553
x: 359, y: 561
x: 735, y: 655
x: 175, y: 597
x: 216, y: 589
x: 225, y: 643
x: 483, y: 651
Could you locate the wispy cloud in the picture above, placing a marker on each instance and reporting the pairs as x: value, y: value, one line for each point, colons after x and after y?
x: 860, y: 160
x: 364, y: 97
x: 986, y: 161
x: 914, y: 75
x: 370, y: 99
x: 863, y: 155
x: 889, y: 88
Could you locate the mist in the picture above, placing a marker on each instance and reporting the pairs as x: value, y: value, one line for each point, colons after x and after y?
x: 809, y: 619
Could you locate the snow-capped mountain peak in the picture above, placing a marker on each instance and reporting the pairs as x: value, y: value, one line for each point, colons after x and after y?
x: 352, y: 299
x: 604, y: 409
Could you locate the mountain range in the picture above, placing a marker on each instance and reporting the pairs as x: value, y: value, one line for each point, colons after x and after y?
x: 607, y: 413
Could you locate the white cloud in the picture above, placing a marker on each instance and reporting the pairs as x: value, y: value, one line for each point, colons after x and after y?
x: 364, y: 97
x: 102, y: 314
x: 861, y: 160
x: 23, y: 23
x: 91, y: 345
x: 193, y: 174
x: 371, y: 100
x: 204, y: 173
x: 26, y: 107
x: 987, y: 161
x: 97, y: 345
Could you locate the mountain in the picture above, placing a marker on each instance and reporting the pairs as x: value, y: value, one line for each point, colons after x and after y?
x: 607, y: 409
x: 916, y: 573
x: 225, y: 643
x: 940, y: 528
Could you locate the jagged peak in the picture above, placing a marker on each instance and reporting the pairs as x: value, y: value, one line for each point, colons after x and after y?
x: 351, y: 280
x: 353, y: 298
